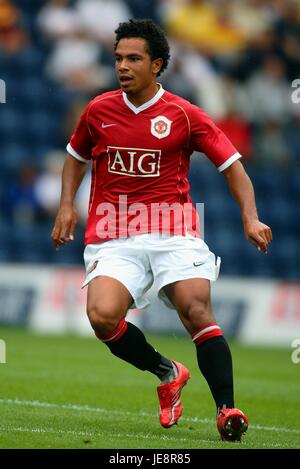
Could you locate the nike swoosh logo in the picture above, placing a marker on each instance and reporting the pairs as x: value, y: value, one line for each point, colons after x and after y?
x: 196, y: 264
x: 106, y: 125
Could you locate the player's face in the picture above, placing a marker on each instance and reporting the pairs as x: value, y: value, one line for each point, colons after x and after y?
x: 135, y: 69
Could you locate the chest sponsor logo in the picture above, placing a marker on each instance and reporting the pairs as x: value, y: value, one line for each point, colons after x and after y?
x: 160, y: 126
x: 135, y: 162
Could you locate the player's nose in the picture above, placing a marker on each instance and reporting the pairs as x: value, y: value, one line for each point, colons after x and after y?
x: 123, y: 65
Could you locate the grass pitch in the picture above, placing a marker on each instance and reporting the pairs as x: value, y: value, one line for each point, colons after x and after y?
x: 70, y: 392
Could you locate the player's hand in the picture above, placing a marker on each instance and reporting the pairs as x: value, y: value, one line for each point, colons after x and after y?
x: 64, y: 226
x: 259, y: 234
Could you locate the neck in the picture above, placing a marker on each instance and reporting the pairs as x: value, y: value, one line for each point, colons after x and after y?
x: 137, y: 99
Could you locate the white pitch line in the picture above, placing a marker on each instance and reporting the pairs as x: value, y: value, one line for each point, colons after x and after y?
x: 119, y: 435
x: 100, y: 434
x: 87, y: 408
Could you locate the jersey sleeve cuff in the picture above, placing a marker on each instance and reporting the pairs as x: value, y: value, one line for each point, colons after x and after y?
x: 74, y: 153
x: 229, y: 162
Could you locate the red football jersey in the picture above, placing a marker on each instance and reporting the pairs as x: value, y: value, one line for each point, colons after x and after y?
x: 141, y: 157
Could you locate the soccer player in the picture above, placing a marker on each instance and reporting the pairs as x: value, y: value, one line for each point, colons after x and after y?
x: 140, y: 139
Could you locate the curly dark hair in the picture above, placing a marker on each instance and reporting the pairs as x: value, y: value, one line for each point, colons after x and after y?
x: 158, y: 47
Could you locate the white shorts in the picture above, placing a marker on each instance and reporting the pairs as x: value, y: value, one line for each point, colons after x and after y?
x: 140, y: 260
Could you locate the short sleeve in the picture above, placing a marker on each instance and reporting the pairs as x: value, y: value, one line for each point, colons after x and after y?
x: 206, y: 137
x: 81, y: 143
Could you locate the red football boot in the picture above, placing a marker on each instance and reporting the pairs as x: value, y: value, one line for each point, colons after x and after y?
x: 169, y: 397
x: 232, y: 423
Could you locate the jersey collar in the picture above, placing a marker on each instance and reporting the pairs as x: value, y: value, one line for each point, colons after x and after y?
x: 144, y: 106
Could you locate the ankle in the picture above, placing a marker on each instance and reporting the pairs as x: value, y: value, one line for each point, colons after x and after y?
x: 170, y: 375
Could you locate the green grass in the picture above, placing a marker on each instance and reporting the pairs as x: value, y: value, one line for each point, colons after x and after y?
x: 70, y: 392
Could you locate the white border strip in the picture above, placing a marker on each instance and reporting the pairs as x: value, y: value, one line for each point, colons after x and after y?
x: 74, y: 153
x: 144, y: 106
x: 229, y: 162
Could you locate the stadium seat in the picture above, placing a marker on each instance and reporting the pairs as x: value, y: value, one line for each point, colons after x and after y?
x: 29, y: 61
x: 38, y: 152
x: 293, y: 185
x: 282, y: 214
x: 6, y: 246
x: 32, y: 244
x: 13, y: 155
x: 41, y: 128
x: 287, y: 257
x: 33, y: 94
x: 268, y: 182
x: 12, y: 124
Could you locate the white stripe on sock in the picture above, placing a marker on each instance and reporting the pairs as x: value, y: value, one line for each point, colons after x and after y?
x: 207, y: 329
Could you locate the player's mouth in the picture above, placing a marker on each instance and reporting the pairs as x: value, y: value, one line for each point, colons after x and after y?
x: 125, y: 80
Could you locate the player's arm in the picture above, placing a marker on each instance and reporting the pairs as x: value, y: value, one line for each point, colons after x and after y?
x: 242, y: 190
x: 206, y: 137
x: 66, y: 219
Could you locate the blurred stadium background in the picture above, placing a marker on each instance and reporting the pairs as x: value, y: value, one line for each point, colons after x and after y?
x: 238, y: 59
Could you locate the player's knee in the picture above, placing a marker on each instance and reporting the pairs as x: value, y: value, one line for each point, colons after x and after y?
x: 103, y: 320
x: 199, y: 314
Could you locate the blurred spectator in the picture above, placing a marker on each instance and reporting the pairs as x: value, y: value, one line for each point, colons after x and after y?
x: 253, y: 17
x: 238, y: 130
x: 192, y: 76
x: 13, y: 37
x: 144, y: 9
x: 204, y: 79
x: 206, y: 26
x: 57, y: 19
x: 271, y: 149
x: 22, y: 204
x: 75, y: 62
x: 293, y: 138
x: 101, y: 17
x: 235, y: 96
x: 175, y: 80
x: 269, y: 93
x: 288, y: 36
x: 47, y: 185
x: 82, y: 198
x: 252, y: 57
x: 75, y: 59
x: 73, y: 113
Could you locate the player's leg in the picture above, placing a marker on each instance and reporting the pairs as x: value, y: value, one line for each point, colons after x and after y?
x: 108, y: 301
x: 192, y: 301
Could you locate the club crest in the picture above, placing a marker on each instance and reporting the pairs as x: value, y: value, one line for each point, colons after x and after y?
x: 160, y: 126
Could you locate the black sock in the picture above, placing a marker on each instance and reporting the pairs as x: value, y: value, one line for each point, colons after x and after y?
x: 134, y: 349
x: 215, y: 363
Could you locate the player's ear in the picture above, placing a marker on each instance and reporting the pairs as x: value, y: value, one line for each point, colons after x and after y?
x: 156, y: 65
